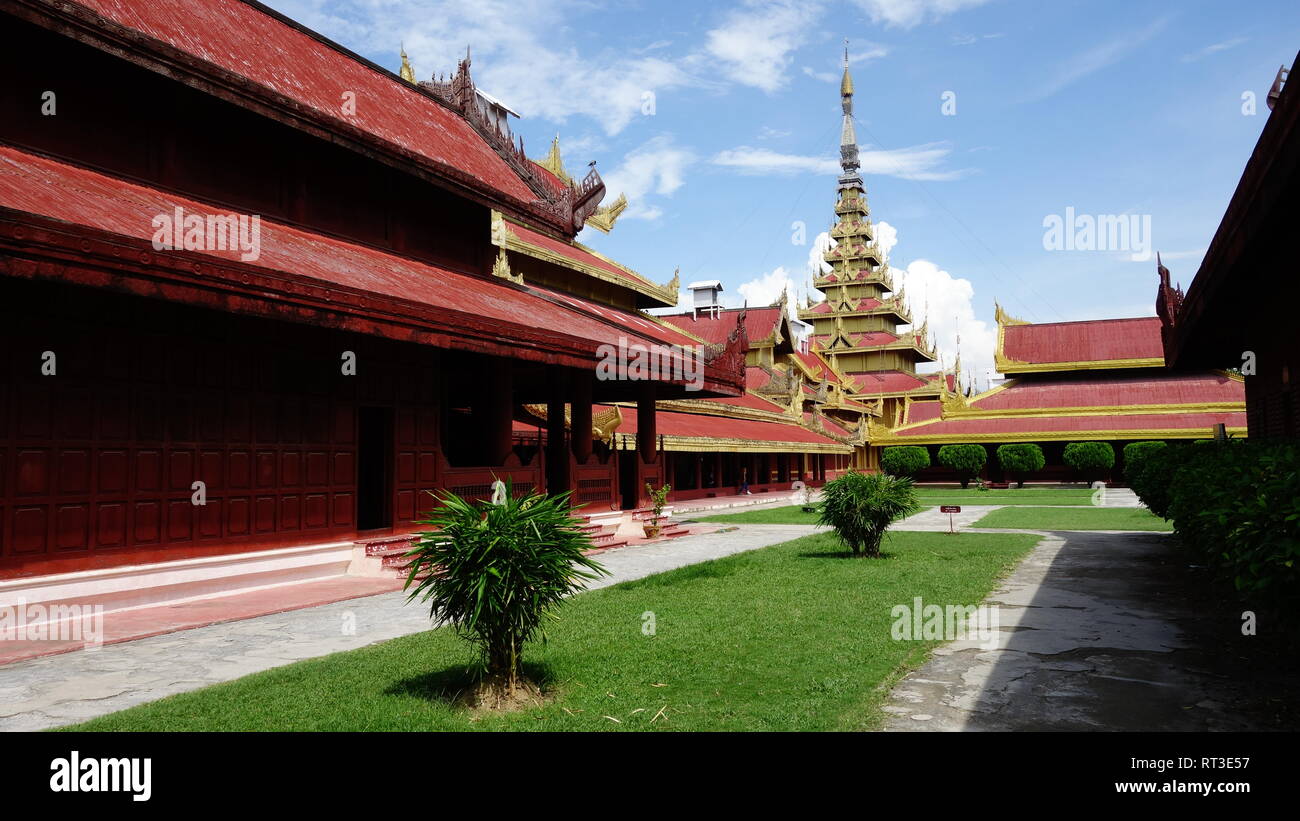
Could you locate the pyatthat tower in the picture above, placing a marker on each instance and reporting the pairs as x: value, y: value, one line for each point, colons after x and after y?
x: 857, y: 326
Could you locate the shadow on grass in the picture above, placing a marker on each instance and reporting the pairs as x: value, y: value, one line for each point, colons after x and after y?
x: 843, y: 554
x: 445, y: 686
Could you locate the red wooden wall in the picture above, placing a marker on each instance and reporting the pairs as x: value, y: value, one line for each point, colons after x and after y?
x: 97, y: 460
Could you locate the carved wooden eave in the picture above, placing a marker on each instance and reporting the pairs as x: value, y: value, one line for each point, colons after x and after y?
x: 606, y: 215
x: 569, y: 206
x: 729, y: 355
x: 603, y: 423
x: 503, y: 236
x: 501, y: 268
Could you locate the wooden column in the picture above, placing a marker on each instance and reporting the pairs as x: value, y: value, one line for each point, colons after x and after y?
x: 557, y: 451
x: 498, y: 412
x: 646, y: 432
x: 580, y: 418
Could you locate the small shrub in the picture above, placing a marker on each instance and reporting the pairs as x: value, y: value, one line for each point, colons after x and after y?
x: 1091, y: 459
x: 862, y: 506
x: 904, y: 460
x: 967, y: 460
x: 1020, y: 460
x: 495, y: 571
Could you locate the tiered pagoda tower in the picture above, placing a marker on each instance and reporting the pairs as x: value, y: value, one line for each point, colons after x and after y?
x: 857, y: 326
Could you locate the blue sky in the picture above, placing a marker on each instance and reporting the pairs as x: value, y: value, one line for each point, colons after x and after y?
x: 1108, y: 108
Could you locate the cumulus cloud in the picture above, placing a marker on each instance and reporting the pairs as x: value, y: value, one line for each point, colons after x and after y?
x: 653, y: 170
x: 951, y: 311
x: 909, y: 13
x: 919, y: 162
x: 516, y: 57
x: 755, y: 42
x: 768, y: 288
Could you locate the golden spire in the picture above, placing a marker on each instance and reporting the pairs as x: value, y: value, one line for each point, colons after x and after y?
x: 408, y: 73
x: 554, y: 163
x: 846, y: 85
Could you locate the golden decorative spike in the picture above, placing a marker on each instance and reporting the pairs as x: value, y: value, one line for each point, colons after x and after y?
x: 501, y: 268
x: 554, y: 163
x: 605, y: 216
x: 407, y: 73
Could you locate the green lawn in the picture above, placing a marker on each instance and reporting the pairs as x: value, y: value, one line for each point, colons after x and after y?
x: 791, y: 515
x: 789, y: 637
x: 1092, y: 518
x: 1007, y: 496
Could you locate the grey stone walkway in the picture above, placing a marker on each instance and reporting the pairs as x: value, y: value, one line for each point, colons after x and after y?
x: 1097, y: 633
x: 73, y: 687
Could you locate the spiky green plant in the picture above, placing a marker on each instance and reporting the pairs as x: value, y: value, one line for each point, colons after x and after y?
x: 496, y: 572
x: 862, y: 506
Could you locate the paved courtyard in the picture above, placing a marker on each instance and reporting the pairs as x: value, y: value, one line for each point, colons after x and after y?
x: 1098, y: 633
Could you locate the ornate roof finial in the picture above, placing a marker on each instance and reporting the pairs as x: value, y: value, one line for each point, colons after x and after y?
x: 848, y: 137
x: 554, y: 163
x: 407, y: 73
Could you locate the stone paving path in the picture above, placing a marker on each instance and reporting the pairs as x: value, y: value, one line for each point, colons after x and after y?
x: 1096, y: 633
x: 72, y: 687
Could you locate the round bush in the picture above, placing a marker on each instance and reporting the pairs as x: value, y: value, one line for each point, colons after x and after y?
x: 1021, y: 459
x: 967, y: 460
x: 905, y: 460
x: 1135, y: 453
x: 1091, y: 459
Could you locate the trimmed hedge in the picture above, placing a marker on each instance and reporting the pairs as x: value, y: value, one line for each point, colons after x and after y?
x: 967, y: 460
x: 904, y: 460
x: 1092, y: 459
x: 1020, y: 460
x: 1236, y: 505
x: 1135, y: 453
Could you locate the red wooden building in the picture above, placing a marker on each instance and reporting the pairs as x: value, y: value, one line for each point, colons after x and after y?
x: 414, y: 284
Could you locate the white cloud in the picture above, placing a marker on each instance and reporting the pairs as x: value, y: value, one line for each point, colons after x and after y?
x: 656, y: 168
x: 909, y: 13
x: 754, y: 42
x: 950, y: 301
x: 1214, y: 48
x: 1096, y: 58
x: 767, y: 289
x: 919, y: 162
x: 516, y: 57
x: 886, y: 236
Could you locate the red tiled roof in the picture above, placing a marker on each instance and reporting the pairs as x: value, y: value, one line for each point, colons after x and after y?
x: 1097, y: 340
x: 870, y: 382
x: 759, y: 323
x: 747, y: 400
x: 706, y: 426
x: 921, y: 411
x: 303, y: 269
x: 873, y: 339
x: 756, y: 377
x: 555, y: 182
x: 582, y: 256
x: 817, y: 366
x: 1174, y: 389
x: 244, y: 40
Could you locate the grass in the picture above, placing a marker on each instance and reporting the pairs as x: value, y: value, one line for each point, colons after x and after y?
x: 1093, y: 518
x: 1007, y: 496
x: 790, y: 515
x: 790, y: 637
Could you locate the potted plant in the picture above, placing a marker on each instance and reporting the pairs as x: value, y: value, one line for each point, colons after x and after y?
x: 657, y: 500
